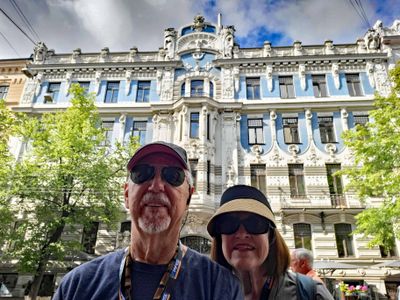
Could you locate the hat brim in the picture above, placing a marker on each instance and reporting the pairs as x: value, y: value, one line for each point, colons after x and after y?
x: 241, y: 205
x: 152, y: 149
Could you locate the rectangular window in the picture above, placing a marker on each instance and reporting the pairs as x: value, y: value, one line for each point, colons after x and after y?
x: 302, y: 235
x: 9, y: 280
x: 89, y: 237
x: 296, y: 181
x: 291, y: 130
x: 255, y: 130
x: 326, y: 130
x: 108, y: 127
x: 208, y: 177
x: 53, y: 90
x: 361, y: 119
x: 112, y: 92
x: 193, y: 168
x: 194, y: 125
x: 344, y: 240
x: 139, y: 130
x: 335, y: 185
x: 258, y: 177
x: 354, y: 84
x: 253, y: 88
x: 319, y: 86
x: 143, y: 91
x: 3, y: 91
x: 196, y: 88
x: 286, y: 87
x: 85, y: 85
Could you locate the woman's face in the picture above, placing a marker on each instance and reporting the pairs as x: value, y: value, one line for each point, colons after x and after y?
x: 245, y: 251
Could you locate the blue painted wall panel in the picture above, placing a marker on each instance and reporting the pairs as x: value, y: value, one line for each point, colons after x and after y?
x: 43, y: 89
x: 244, y: 135
x: 128, y: 128
x: 263, y: 87
x: 102, y: 92
x: 241, y: 94
x: 149, y: 133
x: 366, y: 86
x: 154, y: 97
x: 337, y: 121
x: 298, y: 90
x: 332, y: 90
x: 133, y: 93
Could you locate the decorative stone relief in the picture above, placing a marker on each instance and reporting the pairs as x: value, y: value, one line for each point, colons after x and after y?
x: 345, y: 116
x: 329, y: 48
x: 273, y: 116
x: 230, y: 173
x: 167, y: 85
x: 68, y: 80
x: 159, y: 77
x: 128, y: 78
x: 276, y: 157
x: 331, y: 149
x: 198, y: 23
x: 372, y: 40
x: 267, y: 49
x: 29, y: 91
x: 228, y: 91
x: 361, y: 48
x: 227, y: 35
x: 97, y: 78
x: 104, y: 54
x: 39, y: 78
x: 236, y: 77
x: 293, y: 150
x: 39, y: 53
x: 133, y: 53
x: 270, y: 82
x: 370, y: 67
x: 335, y: 74
x: 297, y: 48
x: 383, y: 84
x: 312, y: 156
x: 257, y: 150
x: 76, y: 55
x: 302, y: 76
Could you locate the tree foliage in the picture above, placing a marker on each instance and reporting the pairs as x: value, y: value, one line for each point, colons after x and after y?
x: 376, y: 149
x: 66, y: 177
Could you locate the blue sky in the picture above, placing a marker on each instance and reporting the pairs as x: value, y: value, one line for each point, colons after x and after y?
x: 65, y: 25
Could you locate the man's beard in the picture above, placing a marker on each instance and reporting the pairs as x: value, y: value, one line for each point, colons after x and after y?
x: 154, y: 222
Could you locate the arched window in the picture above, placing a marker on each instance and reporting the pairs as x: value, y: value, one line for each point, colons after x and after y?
x: 197, y: 88
x: 302, y: 235
x: 211, y: 89
x: 183, y: 87
x: 198, y: 243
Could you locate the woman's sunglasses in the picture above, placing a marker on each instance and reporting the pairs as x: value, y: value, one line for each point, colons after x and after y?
x: 175, y: 176
x: 229, y: 224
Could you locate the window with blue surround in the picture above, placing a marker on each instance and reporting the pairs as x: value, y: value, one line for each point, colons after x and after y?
x: 354, y: 85
x: 286, y: 87
x: 143, y: 91
x: 211, y: 89
x: 85, y: 85
x: 183, y: 88
x: 53, y: 91
x: 139, y: 130
x: 197, y: 88
x: 112, y: 92
x: 3, y: 91
x: 255, y: 131
x: 291, y: 130
x: 319, y: 86
x: 194, y: 125
x: 253, y: 88
x: 326, y: 130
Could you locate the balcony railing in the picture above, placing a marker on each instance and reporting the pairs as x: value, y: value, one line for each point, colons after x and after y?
x: 328, y: 201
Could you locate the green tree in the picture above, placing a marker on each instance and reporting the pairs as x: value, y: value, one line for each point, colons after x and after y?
x: 65, y: 178
x: 376, y: 149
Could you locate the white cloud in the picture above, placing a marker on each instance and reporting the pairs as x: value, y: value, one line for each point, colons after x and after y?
x: 121, y: 24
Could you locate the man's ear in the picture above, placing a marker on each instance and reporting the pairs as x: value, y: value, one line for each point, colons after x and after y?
x: 126, y: 193
x: 191, y: 191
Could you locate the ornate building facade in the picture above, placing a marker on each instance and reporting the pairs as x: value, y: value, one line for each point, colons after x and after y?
x: 271, y: 117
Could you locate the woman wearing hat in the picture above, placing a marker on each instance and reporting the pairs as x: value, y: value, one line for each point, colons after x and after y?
x: 246, y: 241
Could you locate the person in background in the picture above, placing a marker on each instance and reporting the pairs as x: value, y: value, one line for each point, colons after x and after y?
x: 247, y: 242
x: 155, y: 265
x: 302, y: 262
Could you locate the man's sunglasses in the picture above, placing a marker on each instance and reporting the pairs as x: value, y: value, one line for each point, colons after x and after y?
x: 175, y: 176
x: 229, y: 224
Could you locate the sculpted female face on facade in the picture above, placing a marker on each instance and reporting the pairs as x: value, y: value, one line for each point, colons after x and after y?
x: 245, y: 251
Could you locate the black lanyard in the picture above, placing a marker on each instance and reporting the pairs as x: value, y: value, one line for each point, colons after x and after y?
x: 167, y: 280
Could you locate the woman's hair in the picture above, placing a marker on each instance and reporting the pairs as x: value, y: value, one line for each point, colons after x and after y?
x: 276, y: 263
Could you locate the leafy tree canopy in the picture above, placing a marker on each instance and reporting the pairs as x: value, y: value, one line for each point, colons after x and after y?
x: 67, y: 176
x: 376, y: 149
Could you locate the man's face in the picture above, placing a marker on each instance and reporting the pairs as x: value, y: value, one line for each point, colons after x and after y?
x: 296, y: 265
x: 155, y: 205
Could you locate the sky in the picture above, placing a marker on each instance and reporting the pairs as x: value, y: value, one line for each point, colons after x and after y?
x: 64, y: 25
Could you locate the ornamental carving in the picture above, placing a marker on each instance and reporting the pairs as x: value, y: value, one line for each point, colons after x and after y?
x: 39, y: 52
x: 335, y: 74
x: 198, y: 23
x: 372, y: 40
x: 270, y: 82
x: 169, y: 43
x: 302, y: 76
x: 228, y: 40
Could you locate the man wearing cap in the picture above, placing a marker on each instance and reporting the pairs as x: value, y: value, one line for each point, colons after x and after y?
x: 155, y: 265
